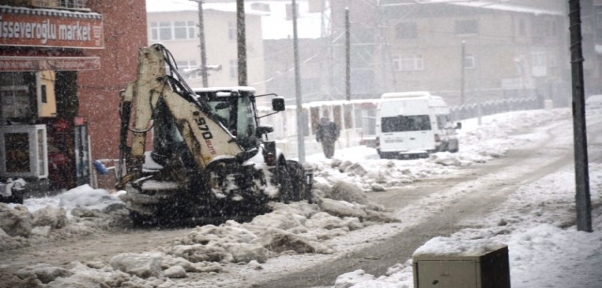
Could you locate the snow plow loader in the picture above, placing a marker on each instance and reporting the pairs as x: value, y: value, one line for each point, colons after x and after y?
x: 210, y: 161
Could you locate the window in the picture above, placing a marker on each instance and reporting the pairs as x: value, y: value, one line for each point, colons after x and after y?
x: 77, y: 4
x: 469, y: 61
x: 154, y: 31
x: 232, y: 30
x: 406, y: 123
x: 522, y: 27
x: 443, y: 120
x: 464, y: 27
x: 598, y: 17
x: 408, y: 62
x: 165, y: 31
x: 187, y: 66
x: 261, y: 7
x: 538, y: 59
x: 406, y: 30
x: 178, y: 30
x: 552, y: 62
x: 184, y: 30
x: 234, y: 68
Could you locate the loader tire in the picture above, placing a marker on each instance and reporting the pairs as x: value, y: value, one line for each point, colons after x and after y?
x: 140, y: 220
x: 295, y: 170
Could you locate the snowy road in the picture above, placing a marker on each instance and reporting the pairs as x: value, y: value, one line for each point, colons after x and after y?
x: 438, y: 200
x: 483, y: 188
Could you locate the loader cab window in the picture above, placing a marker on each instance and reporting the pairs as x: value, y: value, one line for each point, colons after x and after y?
x: 236, y: 114
x: 246, y: 126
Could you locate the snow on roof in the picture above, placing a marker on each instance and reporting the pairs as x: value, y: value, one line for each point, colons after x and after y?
x: 274, y: 23
x: 509, y: 7
x: 158, y: 6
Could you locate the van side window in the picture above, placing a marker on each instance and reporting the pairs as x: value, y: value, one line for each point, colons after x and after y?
x: 405, y: 123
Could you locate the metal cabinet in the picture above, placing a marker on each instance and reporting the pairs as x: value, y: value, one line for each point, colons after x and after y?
x: 489, y: 269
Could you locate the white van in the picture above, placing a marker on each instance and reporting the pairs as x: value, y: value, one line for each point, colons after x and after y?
x: 414, y: 124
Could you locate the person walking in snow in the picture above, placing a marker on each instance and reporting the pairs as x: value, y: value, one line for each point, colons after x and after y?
x: 327, y: 133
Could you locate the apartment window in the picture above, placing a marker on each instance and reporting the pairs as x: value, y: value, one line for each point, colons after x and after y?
x: 538, y: 59
x: 552, y: 62
x: 178, y: 30
x: 232, y: 30
x: 406, y: 30
x: 184, y: 30
x: 186, y: 66
x: 408, y: 62
x: 165, y: 32
x: 464, y: 27
x: 234, y: 68
x: 522, y: 27
x: 261, y: 7
x: 598, y: 16
x: 77, y: 4
x: 154, y: 31
x: 469, y: 61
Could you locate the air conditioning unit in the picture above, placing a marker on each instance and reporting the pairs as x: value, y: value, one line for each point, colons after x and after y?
x: 23, y: 151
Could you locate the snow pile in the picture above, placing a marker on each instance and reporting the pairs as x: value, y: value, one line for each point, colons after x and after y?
x: 295, y: 228
x: 79, y: 211
x: 535, y: 220
x: 478, y: 144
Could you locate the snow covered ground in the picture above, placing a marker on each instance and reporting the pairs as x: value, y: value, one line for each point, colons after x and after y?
x: 536, y: 223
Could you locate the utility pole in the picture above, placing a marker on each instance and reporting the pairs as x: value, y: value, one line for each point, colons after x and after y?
x: 242, y: 46
x: 347, y: 56
x: 463, y: 72
x: 300, y: 125
x: 582, y: 197
x: 202, y: 45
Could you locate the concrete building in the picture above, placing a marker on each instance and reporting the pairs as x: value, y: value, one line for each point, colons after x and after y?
x: 175, y: 25
x: 509, y: 50
x: 62, y: 64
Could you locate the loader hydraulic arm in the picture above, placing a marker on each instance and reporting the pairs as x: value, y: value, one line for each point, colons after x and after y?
x: 204, y: 136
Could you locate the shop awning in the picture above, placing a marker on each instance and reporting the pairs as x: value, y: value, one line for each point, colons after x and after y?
x: 24, y: 64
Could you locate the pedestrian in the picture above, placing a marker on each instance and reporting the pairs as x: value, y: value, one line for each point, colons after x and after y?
x: 327, y: 133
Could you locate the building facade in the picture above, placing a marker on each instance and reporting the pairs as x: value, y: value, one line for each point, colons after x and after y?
x: 175, y: 25
x: 62, y: 64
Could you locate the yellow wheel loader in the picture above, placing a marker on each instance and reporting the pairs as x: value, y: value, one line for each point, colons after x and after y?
x: 210, y: 161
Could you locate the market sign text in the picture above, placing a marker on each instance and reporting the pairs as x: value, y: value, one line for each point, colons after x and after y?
x: 50, y: 31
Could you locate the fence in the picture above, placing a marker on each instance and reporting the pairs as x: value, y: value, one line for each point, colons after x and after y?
x: 357, y: 120
x: 494, y: 107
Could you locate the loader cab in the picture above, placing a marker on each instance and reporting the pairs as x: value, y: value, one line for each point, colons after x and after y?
x: 235, y: 109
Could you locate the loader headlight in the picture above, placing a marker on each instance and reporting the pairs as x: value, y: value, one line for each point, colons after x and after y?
x: 270, y: 159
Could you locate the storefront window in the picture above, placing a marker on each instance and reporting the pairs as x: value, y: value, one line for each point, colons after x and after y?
x: 15, y: 95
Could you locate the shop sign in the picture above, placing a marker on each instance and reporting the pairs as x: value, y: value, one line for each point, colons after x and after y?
x: 22, y: 64
x: 20, y: 26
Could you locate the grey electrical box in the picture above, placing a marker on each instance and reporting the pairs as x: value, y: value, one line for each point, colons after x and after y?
x: 489, y: 268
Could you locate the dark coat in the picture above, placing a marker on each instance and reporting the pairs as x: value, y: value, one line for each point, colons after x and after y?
x: 328, y: 132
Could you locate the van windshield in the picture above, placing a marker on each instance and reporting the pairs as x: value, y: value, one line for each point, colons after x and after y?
x: 405, y: 123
